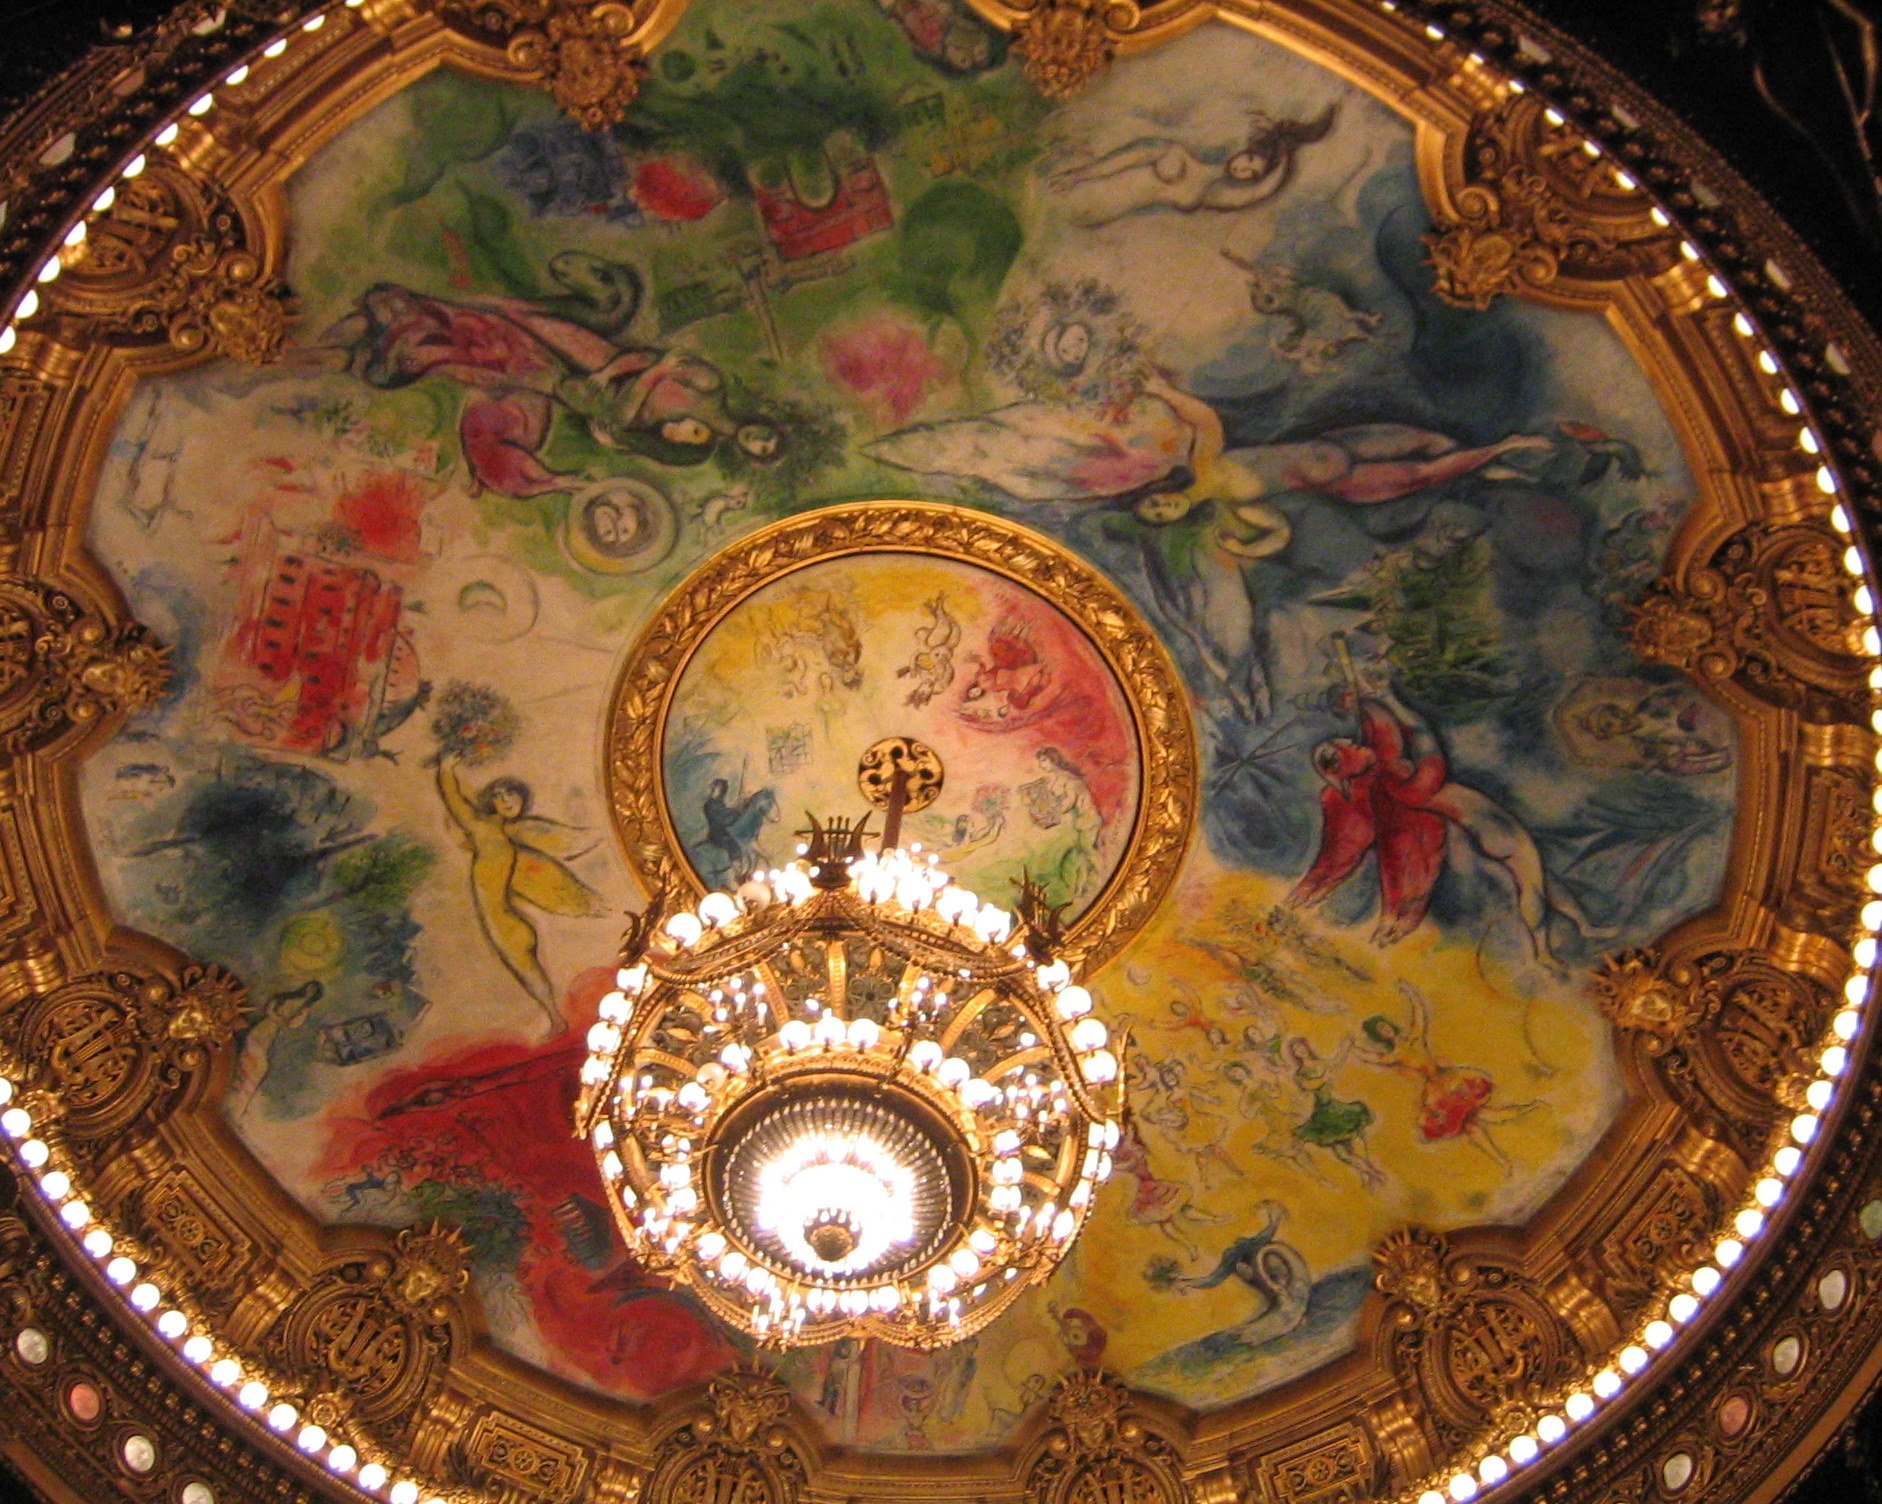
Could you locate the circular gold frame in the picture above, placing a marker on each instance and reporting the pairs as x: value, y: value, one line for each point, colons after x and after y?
x: 1166, y: 741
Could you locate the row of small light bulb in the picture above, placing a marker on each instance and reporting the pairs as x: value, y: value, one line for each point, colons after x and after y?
x: 166, y: 135
x: 1752, y: 1219
x: 186, y: 1334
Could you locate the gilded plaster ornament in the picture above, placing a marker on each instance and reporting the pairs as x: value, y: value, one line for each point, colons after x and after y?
x: 510, y: 1454
x: 119, y: 1048
x: 1771, y: 612
x: 172, y: 263
x: 1099, y: 1451
x: 1478, y: 1340
x: 65, y: 668
x: 735, y: 1445
x: 1532, y: 207
x: 1065, y: 44
x: 586, y: 54
x: 377, y: 1327
x: 1728, y: 1033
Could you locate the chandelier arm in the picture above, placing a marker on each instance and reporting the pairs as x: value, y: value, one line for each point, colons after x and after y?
x: 965, y: 1015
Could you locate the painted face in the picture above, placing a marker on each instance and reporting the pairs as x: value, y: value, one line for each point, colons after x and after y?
x: 1246, y: 166
x: 759, y: 440
x: 685, y: 431
x: 1069, y: 346
x: 506, y: 804
x: 1158, y: 510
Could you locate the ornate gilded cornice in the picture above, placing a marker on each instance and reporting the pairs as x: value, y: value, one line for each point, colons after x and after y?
x: 586, y: 54
x: 1532, y: 211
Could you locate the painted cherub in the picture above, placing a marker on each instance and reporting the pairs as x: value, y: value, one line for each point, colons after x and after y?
x: 515, y: 857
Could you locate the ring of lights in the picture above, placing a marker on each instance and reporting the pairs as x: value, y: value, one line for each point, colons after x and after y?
x: 738, y: 1039
x: 936, y: 1192
x: 1367, y: 43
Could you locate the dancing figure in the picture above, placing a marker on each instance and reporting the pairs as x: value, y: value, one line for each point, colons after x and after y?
x: 1337, y: 1126
x: 1162, y: 1204
x: 515, y: 858
x: 1454, y: 1100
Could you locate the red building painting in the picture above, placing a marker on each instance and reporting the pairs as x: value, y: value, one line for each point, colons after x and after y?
x: 860, y: 206
x: 316, y: 649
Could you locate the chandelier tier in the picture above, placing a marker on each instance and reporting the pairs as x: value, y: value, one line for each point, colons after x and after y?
x: 850, y: 1098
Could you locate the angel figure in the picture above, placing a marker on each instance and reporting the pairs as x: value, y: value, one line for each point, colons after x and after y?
x: 516, y: 857
x: 1454, y: 1100
x: 1155, y: 173
x: 1389, y: 790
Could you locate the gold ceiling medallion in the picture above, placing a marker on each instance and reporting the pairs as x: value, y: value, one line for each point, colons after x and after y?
x: 1532, y: 208
x: 1765, y: 613
x: 587, y: 56
x: 171, y: 263
x: 1062, y: 585
x: 1100, y: 1451
x: 737, y: 1444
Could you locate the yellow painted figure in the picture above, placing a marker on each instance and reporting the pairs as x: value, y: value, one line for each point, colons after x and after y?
x: 515, y: 857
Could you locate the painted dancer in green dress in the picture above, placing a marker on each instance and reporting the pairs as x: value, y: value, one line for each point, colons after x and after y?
x: 1337, y: 1126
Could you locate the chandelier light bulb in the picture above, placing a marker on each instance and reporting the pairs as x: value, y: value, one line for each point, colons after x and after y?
x: 851, y: 1099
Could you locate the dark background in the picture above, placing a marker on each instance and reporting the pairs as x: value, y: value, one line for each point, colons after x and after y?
x: 1783, y: 89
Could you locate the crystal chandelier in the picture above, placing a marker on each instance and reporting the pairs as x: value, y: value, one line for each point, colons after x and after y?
x: 851, y: 1098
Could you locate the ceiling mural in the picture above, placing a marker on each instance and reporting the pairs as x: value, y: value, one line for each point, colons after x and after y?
x: 1183, y: 327
x: 1370, y: 538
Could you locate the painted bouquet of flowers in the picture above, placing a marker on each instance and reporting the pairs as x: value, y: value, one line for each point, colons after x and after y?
x: 473, y: 724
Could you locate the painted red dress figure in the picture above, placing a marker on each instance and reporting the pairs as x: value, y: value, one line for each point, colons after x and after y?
x: 1377, y: 797
x: 1390, y: 790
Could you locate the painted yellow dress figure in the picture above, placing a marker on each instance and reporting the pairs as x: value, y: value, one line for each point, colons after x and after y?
x: 515, y: 857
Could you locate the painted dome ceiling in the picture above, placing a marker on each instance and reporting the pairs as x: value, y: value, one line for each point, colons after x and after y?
x: 1341, y: 541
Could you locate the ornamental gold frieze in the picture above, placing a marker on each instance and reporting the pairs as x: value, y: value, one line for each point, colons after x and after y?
x: 172, y: 265
x: 1528, y: 211
x: 89, y: 1410
x: 740, y: 1441
x: 509, y: 1455
x: 1665, y: 1227
x: 1343, y: 1464
x: 1729, y: 1035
